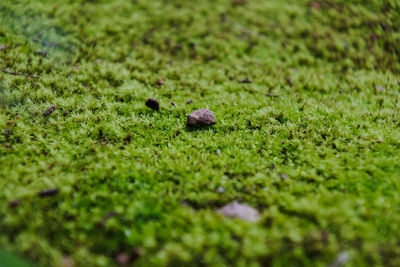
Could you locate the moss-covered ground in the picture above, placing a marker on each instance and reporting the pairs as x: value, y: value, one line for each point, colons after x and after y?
x: 312, y: 140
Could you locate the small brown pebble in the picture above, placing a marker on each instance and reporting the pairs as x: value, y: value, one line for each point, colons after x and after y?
x: 14, y: 203
x: 241, y: 211
x: 49, y: 110
x: 189, y: 101
x: 153, y: 104
x: 66, y: 113
x: 48, y: 192
x: 201, y: 117
x: 160, y: 82
x: 341, y: 259
x: 315, y: 5
x: 272, y: 166
x: 247, y: 80
x: 283, y: 176
x: 7, y: 133
x: 122, y: 258
x: 67, y: 262
x: 379, y: 141
x: 173, y: 103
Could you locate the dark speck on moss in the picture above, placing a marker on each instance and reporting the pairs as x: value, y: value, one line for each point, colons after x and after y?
x: 48, y: 192
x: 50, y: 110
x: 246, y: 80
x: 7, y: 133
x: 14, y: 203
x: 152, y: 103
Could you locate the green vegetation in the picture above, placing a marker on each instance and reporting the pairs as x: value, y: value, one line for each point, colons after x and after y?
x: 312, y: 143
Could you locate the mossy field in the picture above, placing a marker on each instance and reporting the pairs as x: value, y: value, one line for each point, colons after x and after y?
x: 306, y: 96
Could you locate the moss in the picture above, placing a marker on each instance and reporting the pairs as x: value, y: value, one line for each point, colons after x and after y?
x: 311, y: 139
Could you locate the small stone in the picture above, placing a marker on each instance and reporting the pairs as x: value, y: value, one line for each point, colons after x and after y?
x: 153, y: 104
x: 160, y: 82
x: 340, y: 260
x: 14, y: 203
x: 315, y: 5
x: 379, y: 88
x: 189, y: 101
x: 221, y: 189
x: 49, y: 110
x: 67, y: 262
x: 66, y: 113
x: 48, y: 192
x: 283, y: 176
x: 241, y: 211
x: 123, y: 258
x: 272, y: 166
x: 201, y: 117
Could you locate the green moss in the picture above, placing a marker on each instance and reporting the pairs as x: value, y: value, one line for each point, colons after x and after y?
x: 312, y: 142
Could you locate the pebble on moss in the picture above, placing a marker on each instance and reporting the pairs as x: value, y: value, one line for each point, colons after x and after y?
x: 241, y: 211
x: 153, y: 104
x: 201, y: 117
x: 14, y: 203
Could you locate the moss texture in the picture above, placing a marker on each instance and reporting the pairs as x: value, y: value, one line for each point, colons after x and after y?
x: 306, y: 96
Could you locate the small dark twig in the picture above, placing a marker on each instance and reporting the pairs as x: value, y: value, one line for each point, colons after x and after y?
x: 20, y: 74
x: 19, y: 52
